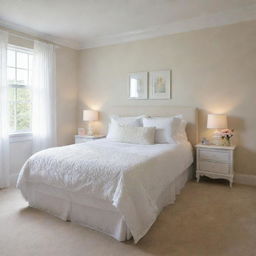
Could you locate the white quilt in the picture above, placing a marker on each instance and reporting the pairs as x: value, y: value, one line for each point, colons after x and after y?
x: 130, y: 176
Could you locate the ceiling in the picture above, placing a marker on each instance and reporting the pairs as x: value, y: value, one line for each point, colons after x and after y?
x: 83, y: 24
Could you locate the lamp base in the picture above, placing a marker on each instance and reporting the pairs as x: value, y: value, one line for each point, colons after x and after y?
x: 90, y: 129
x: 217, y: 140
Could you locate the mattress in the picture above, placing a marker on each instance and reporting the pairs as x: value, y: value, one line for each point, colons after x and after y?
x: 117, y: 183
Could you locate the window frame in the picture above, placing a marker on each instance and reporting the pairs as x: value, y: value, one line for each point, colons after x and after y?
x: 20, y: 135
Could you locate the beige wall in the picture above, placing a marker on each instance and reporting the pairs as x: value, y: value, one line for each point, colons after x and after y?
x: 212, y: 69
x: 66, y: 83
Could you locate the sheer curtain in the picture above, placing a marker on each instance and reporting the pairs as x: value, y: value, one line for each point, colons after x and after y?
x: 44, y: 97
x: 4, y: 120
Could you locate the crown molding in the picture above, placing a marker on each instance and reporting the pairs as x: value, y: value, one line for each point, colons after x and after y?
x: 205, y: 21
x: 38, y: 35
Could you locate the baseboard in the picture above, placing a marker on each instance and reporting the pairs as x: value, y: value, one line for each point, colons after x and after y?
x: 245, y: 179
x: 13, y: 179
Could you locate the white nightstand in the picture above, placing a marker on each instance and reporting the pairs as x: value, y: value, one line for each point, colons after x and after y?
x: 86, y: 138
x: 215, y: 162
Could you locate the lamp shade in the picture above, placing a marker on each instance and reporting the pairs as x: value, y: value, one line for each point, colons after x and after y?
x: 90, y: 115
x: 217, y: 121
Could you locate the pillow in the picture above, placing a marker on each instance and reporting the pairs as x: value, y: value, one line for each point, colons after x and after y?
x: 181, y: 135
x: 133, y: 134
x: 166, y: 128
x: 130, y: 120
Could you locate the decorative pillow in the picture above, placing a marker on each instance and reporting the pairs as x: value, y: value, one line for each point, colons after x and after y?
x: 133, y: 134
x: 129, y: 121
x: 166, y: 128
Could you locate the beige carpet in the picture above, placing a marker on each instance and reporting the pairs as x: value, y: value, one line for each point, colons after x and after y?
x: 207, y: 219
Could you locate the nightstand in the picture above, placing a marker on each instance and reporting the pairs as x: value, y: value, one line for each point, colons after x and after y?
x: 86, y: 138
x: 215, y: 162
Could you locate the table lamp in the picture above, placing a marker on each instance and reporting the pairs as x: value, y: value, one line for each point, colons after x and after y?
x: 90, y: 116
x: 216, y: 122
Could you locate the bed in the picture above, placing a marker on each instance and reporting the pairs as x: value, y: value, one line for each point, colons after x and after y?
x: 116, y: 188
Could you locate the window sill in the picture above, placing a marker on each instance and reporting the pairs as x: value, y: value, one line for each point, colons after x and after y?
x: 17, y: 137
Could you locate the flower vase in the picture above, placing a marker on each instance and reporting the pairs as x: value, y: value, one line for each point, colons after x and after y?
x: 226, y: 142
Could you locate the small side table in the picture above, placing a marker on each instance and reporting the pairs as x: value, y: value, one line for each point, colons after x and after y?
x: 216, y: 162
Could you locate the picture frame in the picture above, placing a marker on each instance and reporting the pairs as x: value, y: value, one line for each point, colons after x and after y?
x: 81, y: 131
x: 160, y: 84
x: 138, y: 85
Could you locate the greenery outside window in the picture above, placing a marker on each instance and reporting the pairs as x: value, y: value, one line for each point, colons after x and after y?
x: 19, y: 75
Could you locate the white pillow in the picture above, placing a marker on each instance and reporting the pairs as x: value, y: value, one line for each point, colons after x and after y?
x: 130, y: 120
x: 133, y: 134
x: 166, y: 128
x: 181, y: 135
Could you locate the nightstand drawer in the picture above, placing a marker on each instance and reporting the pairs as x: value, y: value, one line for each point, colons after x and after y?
x: 214, y: 167
x: 215, y: 156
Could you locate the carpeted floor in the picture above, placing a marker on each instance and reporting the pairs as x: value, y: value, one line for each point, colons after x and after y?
x: 207, y: 219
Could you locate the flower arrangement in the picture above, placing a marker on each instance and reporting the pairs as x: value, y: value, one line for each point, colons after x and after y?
x: 226, y: 135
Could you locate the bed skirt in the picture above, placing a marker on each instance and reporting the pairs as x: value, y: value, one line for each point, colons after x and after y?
x: 94, y: 213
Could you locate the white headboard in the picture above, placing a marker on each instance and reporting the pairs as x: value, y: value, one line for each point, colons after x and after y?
x: 189, y: 114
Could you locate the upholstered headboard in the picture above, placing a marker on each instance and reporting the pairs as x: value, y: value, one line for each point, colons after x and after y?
x: 189, y: 114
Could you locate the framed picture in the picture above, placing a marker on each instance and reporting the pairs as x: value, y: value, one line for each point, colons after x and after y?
x: 160, y: 84
x: 138, y: 85
x: 81, y: 131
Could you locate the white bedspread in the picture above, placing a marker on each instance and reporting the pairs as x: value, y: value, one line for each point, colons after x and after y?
x: 130, y: 176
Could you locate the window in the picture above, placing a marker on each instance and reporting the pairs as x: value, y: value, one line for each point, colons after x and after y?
x: 19, y: 75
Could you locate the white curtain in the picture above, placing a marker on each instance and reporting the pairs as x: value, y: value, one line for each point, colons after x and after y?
x: 4, y: 116
x: 44, y: 97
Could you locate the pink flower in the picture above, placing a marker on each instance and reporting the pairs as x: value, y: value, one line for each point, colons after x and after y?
x: 226, y: 133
